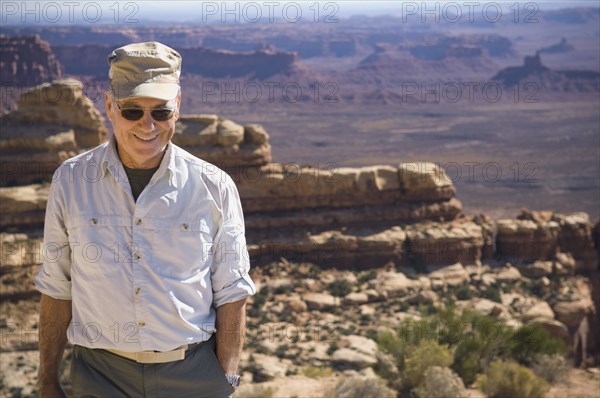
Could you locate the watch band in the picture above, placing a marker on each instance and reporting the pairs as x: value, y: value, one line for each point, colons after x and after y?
x: 234, y: 380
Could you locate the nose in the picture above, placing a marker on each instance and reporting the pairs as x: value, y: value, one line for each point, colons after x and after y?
x: 147, y: 122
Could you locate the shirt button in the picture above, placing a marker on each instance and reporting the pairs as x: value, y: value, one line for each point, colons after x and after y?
x: 185, y: 227
x: 93, y: 221
x: 141, y: 323
x: 138, y: 221
x: 137, y: 255
x: 137, y: 291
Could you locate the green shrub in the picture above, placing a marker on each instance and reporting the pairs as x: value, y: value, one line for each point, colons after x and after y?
x: 316, y: 371
x: 492, y: 293
x: 464, y: 292
x: 333, y: 346
x: 531, y: 340
x: 428, y: 353
x: 440, y: 382
x: 509, y: 379
x: 367, y: 276
x: 392, y: 344
x: 360, y: 387
x: 340, y: 287
x: 485, y: 339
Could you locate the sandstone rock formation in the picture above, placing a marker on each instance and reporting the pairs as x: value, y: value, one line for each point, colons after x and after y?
x: 223, y: 142
x: 54, y: 121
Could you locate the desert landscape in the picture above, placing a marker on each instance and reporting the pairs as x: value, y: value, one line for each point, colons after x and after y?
x: 395, y: 175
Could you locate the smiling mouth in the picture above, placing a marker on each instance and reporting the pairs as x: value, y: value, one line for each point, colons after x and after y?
x: 146, y: 139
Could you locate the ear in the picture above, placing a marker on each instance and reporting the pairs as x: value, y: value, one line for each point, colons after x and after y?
x: 178, y: 106
x: 108, y: 104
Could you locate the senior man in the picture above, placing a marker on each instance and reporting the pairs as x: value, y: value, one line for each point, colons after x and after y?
x: 145, y: 267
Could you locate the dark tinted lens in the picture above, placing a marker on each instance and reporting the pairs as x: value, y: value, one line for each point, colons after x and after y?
x: 132, y: 113
x: 162, y: 114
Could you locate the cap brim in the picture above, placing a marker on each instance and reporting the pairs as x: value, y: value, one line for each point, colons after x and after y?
x: 163, y: 91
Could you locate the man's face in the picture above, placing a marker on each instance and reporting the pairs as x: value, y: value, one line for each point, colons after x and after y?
x: 141, y: 143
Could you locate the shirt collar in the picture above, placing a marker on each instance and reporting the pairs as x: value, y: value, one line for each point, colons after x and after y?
x: 111, y: 161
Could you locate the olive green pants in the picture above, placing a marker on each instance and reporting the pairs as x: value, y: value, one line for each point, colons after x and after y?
x: 100, y: 373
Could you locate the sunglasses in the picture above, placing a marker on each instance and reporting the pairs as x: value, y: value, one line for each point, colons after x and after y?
x: 158, y: 114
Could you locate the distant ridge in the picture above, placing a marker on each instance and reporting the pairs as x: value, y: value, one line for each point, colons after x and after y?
x: 533, y: 71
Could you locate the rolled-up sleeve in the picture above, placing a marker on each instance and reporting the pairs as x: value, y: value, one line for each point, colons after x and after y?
x: 231, y: 263
x: 54, y: 277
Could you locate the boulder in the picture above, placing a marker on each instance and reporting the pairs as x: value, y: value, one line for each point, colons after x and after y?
x: 266, y: 367
x: 508, y: 274
x: 395, y: 284
x: 345, y: 358
x: 452, y: 275
x: 571, y: 313
x: 537, y: 269
x: 539, y: 310
x: 255, y: 134
x: 356, y: 298
x: 229, y: 133
x: 564, y: 264
x: 320, y: 301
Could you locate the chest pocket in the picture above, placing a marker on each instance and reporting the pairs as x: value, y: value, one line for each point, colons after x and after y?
x: 97, y: 241
x: 181, y: 249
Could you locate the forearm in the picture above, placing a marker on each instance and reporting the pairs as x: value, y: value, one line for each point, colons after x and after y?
x: 55, y: 316
x: 231, y: 327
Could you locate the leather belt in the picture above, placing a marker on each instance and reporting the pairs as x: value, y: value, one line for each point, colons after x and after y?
x: 153, y: 356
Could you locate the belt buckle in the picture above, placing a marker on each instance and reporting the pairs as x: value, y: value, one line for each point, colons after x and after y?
x: 146, y: 357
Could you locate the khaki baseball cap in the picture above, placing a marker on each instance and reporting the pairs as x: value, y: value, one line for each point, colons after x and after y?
x: 144, y: 70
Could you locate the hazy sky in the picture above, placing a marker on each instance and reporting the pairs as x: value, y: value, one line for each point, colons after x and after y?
x: 93, y: 12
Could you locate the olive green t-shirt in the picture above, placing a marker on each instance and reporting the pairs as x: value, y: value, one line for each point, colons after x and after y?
x: 138, y: 179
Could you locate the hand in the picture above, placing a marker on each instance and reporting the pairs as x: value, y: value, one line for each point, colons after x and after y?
x: 54, y: 390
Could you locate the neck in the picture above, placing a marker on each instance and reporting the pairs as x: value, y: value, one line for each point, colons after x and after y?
x: 132, y: 163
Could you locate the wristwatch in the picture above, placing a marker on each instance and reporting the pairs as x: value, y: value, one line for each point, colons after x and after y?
x: 234, y: 380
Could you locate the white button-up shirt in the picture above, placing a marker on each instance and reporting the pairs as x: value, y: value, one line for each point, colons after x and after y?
x: 146, y: 275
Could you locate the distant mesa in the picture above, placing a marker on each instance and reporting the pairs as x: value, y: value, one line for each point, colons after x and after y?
x: 533, y: 71
x: 24, y: 62
x: 437, y: 48
x: 560, y: 47
x: 27, y: 61
x: 207, y: 62
x: 392, y: 64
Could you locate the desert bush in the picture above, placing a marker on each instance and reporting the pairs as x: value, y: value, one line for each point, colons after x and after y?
x: 366, y: 276
x: 509, y: 379
x: 428, y: 353
x: 391, y: 343
x: 360, y: 387
x: 475, y: 340
x: 531, y: 340
x: 492, y: 293
x: 464, y: 292
x: 316, y: 371
x: 340, y: 287
x: 440, y: 382
x: 553, y: 368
